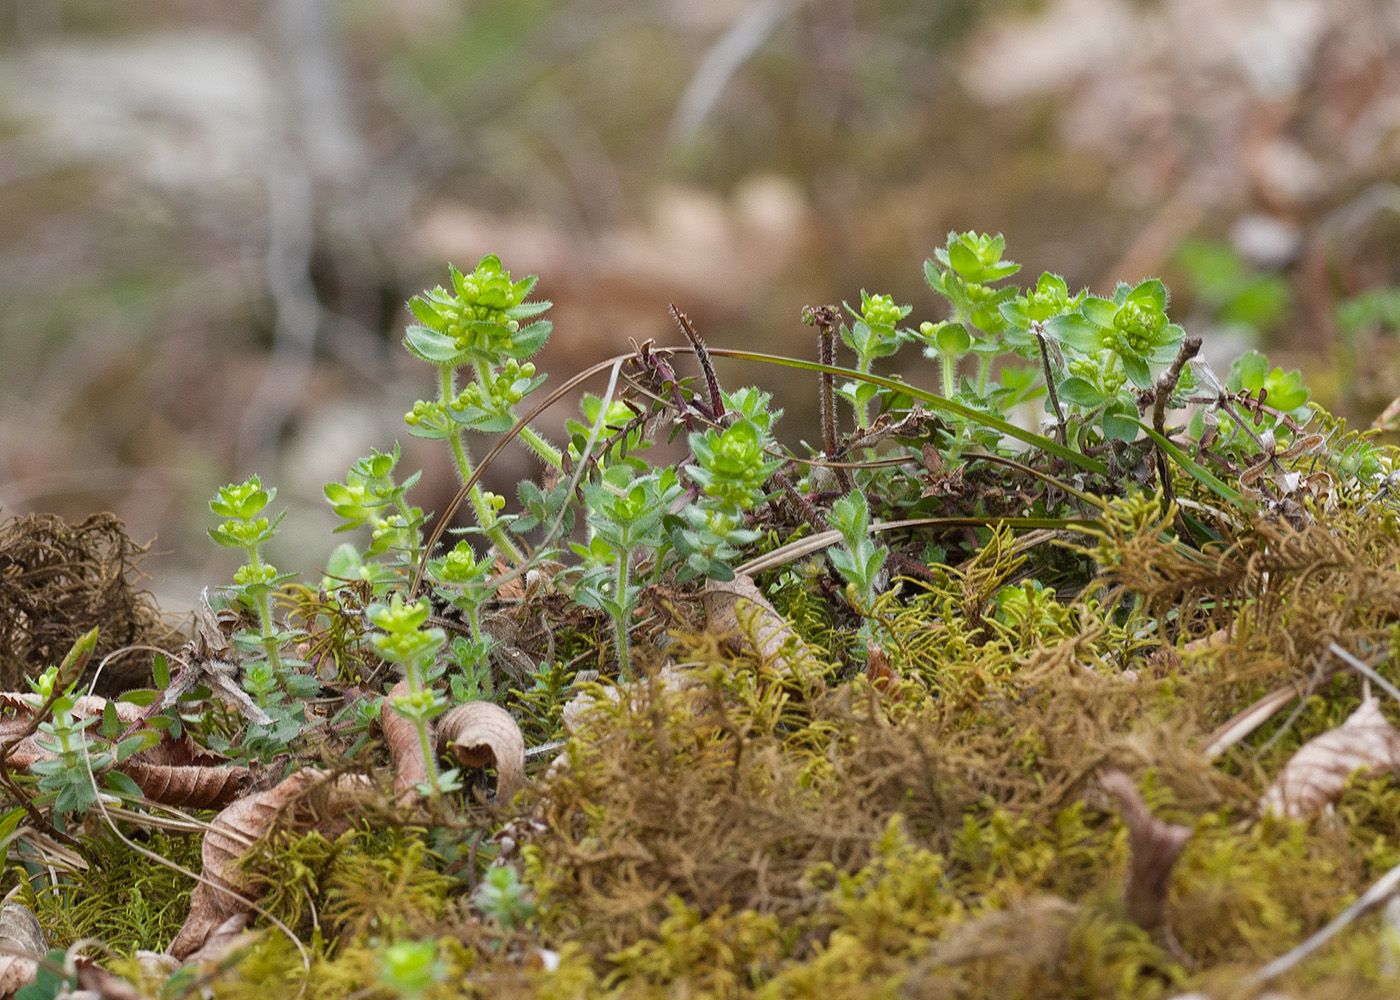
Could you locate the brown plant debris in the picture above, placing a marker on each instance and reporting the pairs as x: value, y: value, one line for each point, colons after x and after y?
x: 319, y: 803
x: 174, y: 772
x: 405, y: 747
x: 22, y: 942
x: 1010, y: 945
x: 481, y: 734
x: 1154, y: 845
x: 57, y: 581
x: 1317, y: 774
x: 738, y: 608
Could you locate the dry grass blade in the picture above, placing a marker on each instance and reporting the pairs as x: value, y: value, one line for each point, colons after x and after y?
x: 1317, y: 774
x: 480, y: 734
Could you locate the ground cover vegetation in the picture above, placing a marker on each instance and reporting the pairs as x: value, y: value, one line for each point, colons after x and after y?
x: 1065, y: 679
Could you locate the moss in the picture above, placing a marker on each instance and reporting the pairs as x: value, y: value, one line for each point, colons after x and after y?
x: 122, y: 898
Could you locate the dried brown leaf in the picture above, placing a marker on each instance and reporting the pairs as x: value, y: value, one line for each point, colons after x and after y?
x: 405, y: 747
x: 225, y: 891
x: 670, y: 676
x: 738, y: 608
x: 223, y: 941
x: 481, y: 733
x: 20, y: 937
x: 190, y: 785
x: 1154, y: 845
x: 97, y: 982
x: 1317, y: 774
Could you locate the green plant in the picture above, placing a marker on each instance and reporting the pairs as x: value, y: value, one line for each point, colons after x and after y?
x: 503, y: 897
x: 246, y: 529
x: 858, y: 559
x: 406, y: 642
x: 477, y: 325
x: 66, y: 779
x: 625, y: 514
x: 409, y: 968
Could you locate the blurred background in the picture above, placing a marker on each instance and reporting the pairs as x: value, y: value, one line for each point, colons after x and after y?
x: 213, y: 211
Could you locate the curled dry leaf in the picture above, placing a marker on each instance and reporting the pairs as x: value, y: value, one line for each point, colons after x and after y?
x: 1154, y: 845
x: 1317, y: 774
x: 670, y: 675
x: 224, y: 892
x: 738, y: 608
x: 481, y: 733
x: 405, y: 747
x: 20, y: 938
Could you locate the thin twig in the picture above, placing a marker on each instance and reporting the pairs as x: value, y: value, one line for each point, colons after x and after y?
x: 702, y: 355
x: 824, y: 317
x: 1166, y: 382
x: 1382, y: 890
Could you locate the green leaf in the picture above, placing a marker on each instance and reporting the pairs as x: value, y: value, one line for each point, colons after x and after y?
x: 160, y: 670
x: 1137, y: 370
x: 965, y: 261
x: 1099, y: 311
x: 1152, y: 292
x: 111, y: 723
x: 136, y: 743
x: 1076, y: 333
x: 1079, y: 392
x: 122, y: 784
x: 1248, y: 372
x: 140, y: 696
x: 953, y: 339
x: 431, y: 346
x: 528, y: 340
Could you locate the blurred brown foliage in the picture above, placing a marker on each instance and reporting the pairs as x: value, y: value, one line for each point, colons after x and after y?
x: 211, y: 214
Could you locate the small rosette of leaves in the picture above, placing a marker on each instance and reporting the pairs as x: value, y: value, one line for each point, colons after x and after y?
x: 404, y: 640
x: 963, y: 272
x: 732, y: 467
x: 240, y: 504
x: 1133, y: 325
x: 478, y: 320
x: 370, y: 497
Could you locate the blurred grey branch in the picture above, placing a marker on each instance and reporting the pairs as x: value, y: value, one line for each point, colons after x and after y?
x: 316, y: 141
x: 722, y: 61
